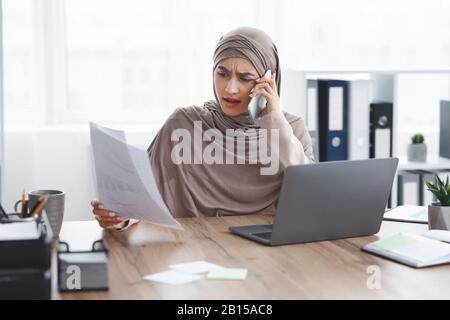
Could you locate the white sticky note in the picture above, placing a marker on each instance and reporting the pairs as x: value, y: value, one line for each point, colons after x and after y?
x: 227, y: 274
x: 172, y: 277
x: 195, y: 267
x: 395, y: 242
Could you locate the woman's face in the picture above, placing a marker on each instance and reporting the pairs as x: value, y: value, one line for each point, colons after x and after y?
x: 233, y: 80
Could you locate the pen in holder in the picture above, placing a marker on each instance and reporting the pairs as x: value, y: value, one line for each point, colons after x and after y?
x: 18, y: 217
x: 33, y: 202
x: 28, y: 209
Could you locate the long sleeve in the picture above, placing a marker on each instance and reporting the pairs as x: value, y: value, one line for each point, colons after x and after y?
x: 124, y: 225
x: 295, y: 145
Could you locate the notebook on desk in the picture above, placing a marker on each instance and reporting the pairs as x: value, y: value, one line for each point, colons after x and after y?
x: 414, y: 214
x: 412, y: 250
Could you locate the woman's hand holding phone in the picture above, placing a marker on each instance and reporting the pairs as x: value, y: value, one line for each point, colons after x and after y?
x: 267, y: 88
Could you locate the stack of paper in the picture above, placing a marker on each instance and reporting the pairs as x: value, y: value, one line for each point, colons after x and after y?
x: 191, y: 271
x: 412, y: 250
x: 228, y: 274
x: 19, y: 231
x: 125, y: 181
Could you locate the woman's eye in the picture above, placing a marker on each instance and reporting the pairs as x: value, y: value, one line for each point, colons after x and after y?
x: 221, y: 74
x: 246, y: 80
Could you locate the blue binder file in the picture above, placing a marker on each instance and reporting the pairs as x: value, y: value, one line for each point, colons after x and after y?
x: 333, y: 119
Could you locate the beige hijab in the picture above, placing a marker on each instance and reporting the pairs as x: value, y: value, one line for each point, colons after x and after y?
x: 201, y: 189
x: 251, y: 44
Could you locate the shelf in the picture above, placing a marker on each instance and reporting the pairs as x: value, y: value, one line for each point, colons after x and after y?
x: 434, y: 163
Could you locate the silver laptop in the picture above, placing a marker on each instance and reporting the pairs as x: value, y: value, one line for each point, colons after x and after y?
x: 326, y: 201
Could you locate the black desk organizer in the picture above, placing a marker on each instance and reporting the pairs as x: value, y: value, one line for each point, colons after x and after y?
x: 93, y: 275
x: 25, y: 265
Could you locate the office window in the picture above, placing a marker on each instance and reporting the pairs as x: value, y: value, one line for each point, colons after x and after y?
x: 20, y: 56
x: 134, y: 61
x: 366, y: 35
x: 120, y: 61
x: 419, y: 96
x: 142, y: 59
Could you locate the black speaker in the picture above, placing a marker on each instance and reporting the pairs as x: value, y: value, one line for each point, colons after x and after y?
x: 380, y: 139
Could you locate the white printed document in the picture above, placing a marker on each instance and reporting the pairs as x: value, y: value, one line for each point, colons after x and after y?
x: 124, y: 178
x: 194, y: 267
x: 173, y: 277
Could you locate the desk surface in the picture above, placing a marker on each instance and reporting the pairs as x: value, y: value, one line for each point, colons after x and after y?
x: 320, y: 270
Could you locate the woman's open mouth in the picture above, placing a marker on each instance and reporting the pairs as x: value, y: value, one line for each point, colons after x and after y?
x: 231, y: 102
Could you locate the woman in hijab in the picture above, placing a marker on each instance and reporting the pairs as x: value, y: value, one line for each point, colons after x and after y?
x: 217, y: 178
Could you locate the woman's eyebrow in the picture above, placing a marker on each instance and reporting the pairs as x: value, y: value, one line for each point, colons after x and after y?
x: 223, y: 69
x: 239, y: 73
x: 247, y: 74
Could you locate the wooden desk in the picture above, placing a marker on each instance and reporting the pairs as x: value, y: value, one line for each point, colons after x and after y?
x: 321, y: 270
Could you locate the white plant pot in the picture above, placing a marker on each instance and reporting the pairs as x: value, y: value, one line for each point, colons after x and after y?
x: 417, y: 152
x: 438, y: 217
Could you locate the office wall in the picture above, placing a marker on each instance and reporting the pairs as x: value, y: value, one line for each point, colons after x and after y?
x: 1, y: 101
x: 55, y: 159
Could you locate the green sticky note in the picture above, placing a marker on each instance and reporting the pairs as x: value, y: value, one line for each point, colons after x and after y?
x: 227, y: 274
x: 394, y: 242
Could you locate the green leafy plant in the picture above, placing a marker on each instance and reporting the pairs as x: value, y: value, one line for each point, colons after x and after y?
x: 417, y: 138
x: 441, y: 190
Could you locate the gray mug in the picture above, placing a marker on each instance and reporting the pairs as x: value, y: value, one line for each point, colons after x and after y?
x: 54, y: 207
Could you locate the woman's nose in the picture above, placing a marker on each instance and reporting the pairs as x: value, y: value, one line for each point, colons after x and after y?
x: 232, y: 87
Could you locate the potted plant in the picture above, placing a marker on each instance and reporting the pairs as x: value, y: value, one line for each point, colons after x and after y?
x: 417, y: 149
x: 439, y: 212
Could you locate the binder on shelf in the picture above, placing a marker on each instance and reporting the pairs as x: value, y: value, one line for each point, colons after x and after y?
x: 411, y: 187
x: 312, y: 122
x: 444, y: 130
x: 381, y: 120
x: 408, y: 188
x: 333, y: 119
x: 360, y: 98
x: 427, y: 175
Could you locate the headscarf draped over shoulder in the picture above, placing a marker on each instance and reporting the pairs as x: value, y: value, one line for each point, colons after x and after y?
x: 200, y: 189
